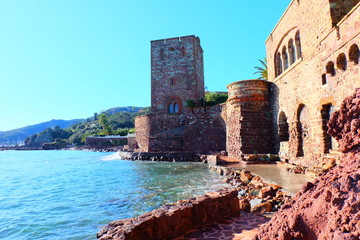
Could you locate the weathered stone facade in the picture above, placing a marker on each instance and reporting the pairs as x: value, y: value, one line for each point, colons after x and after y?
x: 177, y: 74
x: 313, y: 61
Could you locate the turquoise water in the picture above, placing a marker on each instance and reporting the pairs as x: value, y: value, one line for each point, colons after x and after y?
x: 72, y: 194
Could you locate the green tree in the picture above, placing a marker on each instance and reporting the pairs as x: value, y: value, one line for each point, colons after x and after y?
x: 122, y: 132
x: 84, y: 136
x: 262, y: 70
x: 190, y: 104
x: 104, y: 123
x: 213, y: 98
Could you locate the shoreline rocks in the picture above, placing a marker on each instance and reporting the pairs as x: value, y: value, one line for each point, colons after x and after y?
x: 252, y: 188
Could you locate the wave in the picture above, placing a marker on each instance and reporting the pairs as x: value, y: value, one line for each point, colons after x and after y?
x: 113, y: 156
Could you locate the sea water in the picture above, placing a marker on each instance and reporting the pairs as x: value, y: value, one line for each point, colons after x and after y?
x: 72, y: 194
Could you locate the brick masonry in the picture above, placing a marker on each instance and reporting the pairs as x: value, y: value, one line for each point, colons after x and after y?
x: 248, y: 118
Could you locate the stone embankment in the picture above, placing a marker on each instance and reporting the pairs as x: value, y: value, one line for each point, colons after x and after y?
x: 96, y: 149
x: 21, y: 148
x: 329, y: 208
x: 175, y: 219
x: 251, y: 187
x: 165, y: 157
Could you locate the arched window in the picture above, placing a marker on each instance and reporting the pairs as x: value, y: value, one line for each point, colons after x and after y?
x: 330, y: 69
x: 341, y: 62
x: 176, y: 108
x: 285, y: 59
x: 298, y: 45
x: 278, y: 65
x: 354, y: 54
x: 171, y: 108
x: 292, y: 56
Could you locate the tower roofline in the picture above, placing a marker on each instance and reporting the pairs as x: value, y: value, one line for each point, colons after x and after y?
x: 174, y: 38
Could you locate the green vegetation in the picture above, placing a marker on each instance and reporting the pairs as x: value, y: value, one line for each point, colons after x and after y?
x: 119, y: 123
x: 262, y: 70
x: 211, y: 99
x: 214, y: 98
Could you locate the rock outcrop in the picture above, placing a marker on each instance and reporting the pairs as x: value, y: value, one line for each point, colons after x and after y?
x: 329, y: 208
x: 252, y: 187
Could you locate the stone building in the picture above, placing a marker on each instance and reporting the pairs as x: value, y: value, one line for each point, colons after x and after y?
x: 177, y: 76
x: 313, y: 64
x: 313, y: 61
x: 242, y: 125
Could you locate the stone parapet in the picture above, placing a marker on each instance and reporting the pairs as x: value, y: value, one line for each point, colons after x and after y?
x: 175, y: 219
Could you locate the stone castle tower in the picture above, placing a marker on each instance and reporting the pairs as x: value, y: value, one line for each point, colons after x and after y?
x: 177, y: 74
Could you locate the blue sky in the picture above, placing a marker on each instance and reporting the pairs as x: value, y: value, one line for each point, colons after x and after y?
x: 66, y: 59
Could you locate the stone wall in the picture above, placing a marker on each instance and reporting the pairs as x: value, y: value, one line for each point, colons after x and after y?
x: 202, y: 130
x: 106, y: 141
x: 249, y: 118
x: 313, y: 65
x: 176, y: 219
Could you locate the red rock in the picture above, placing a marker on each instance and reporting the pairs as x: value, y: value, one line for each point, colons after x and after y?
x: 244, y: 205
x: 262, y: 207
x: 246, y: 176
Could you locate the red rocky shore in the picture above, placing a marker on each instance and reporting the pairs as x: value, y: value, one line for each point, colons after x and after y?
x: 253, y: 187
x: 330, y: 207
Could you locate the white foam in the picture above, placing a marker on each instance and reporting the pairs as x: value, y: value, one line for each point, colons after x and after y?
x: 113, y: 156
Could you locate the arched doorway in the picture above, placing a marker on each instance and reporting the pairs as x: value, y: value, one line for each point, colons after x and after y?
x: 329, y: 142
x: 283, y: 128
x: 303, y: 129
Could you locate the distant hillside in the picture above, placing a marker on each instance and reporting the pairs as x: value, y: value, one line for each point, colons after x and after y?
x: 20, y: 134
x: 120, y: 123
x: 122, y: 109
x: 15, y: 136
